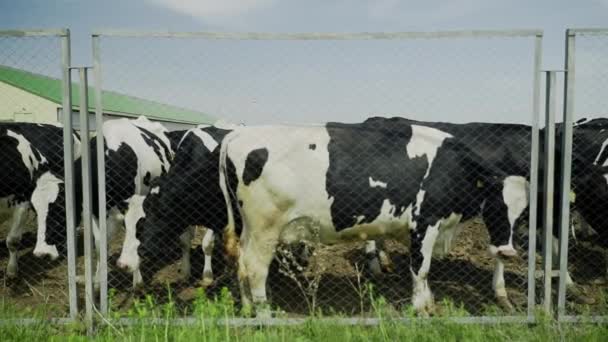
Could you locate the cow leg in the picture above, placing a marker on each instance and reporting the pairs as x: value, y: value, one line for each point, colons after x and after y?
x: 137, y: 278
x: 114, y: 218
x: 501, y: 212
x: 207, y: 246
x: 498, y: 280
x: 371, y: 255
x: 422, y: 243
x: 555, y: 261
x: 587, y: 232
x: 129, y: 258
x: 40, y: 202
x: 257, y: 251
x: 378, y: 260
x: 186, y: 243
x: 244, y: 287
x: 96, y: 233
x: 385, y: 261
x: 572, y: 291
x: 498, y: 284
x: 13, y: 240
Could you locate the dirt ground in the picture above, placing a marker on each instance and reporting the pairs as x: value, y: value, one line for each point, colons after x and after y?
x: 464, y: 276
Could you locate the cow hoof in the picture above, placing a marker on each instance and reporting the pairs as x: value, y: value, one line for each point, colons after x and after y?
x: 246, y: 311
x: 137, y: 288
x: 507, y: 253
x: 206, y: 281
x: 374, y: 267
x: 184, y: 275
x: 423, y: 301
x: 387, y: 263
x: 263, y: 312
x: 577, y: 296
x: 80, y: 280
x: 505, y: 304
x: 426, y: 312
x: 11, y: 272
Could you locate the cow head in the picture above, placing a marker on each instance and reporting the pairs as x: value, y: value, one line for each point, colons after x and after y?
x: 502, y: 210
x: 162, y: 222
x: 188, y: 195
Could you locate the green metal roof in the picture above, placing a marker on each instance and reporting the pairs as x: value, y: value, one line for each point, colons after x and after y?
x: 112, y: 102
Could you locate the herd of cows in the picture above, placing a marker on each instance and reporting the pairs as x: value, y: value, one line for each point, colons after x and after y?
x: 255, y: 187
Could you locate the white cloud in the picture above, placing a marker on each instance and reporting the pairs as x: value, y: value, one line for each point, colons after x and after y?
x: 430, y: 11
x: 603, y: 3
x: 212, y: 9
x: 382, y: 8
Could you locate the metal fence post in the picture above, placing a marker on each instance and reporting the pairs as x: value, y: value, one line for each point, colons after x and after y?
x: 534, y: 179
x: 101, y: 181
x: 68, y: 158
x: 549, y: 175
x: 566, y: 167
x: 87, y: 198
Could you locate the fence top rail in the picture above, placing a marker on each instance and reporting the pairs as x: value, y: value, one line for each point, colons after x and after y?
x: 583, y: 319
x: 244, y: 322
x: 587, y: 31
x: 57, y: 32
x: 321, y: 36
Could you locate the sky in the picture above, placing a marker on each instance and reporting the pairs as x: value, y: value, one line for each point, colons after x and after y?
x: 254, y: 82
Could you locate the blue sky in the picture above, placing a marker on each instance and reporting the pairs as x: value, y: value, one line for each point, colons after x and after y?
x: 273, y: 82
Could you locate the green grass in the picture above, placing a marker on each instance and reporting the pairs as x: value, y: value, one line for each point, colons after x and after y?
x: 207, y: 312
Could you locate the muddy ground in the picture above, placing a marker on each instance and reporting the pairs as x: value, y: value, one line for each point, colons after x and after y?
x: 464, y: 276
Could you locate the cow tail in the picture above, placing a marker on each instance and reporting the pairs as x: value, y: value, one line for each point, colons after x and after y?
x: 231, y: 241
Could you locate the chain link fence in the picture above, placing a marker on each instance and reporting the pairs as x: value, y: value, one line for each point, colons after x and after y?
x: 295, y: 80
x: 587, y: 65
x: 32, y: 75
x: 160, y: 173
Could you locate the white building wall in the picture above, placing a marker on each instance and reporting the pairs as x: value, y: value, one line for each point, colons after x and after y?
x: 19, y: 105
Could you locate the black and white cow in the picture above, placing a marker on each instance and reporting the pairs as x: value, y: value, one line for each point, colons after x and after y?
x: 589, y: 189
x: 589, y: 176
x: 173, y: 206
x: 506, y: 147
x: 589, y: 179
x: 28, y: 150
x: 344, y: 182
x: 136, y: 152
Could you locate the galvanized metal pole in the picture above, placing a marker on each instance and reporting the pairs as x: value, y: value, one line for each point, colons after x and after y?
x: 101, y: 181
x: 68, y: 164
x: 86, y: 199
x: 534, y: 179
x: 549, y: 153
x: 566, y: 167
x: 320, y: 35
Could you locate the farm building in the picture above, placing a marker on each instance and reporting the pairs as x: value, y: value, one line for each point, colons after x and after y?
x: 31, y: 97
